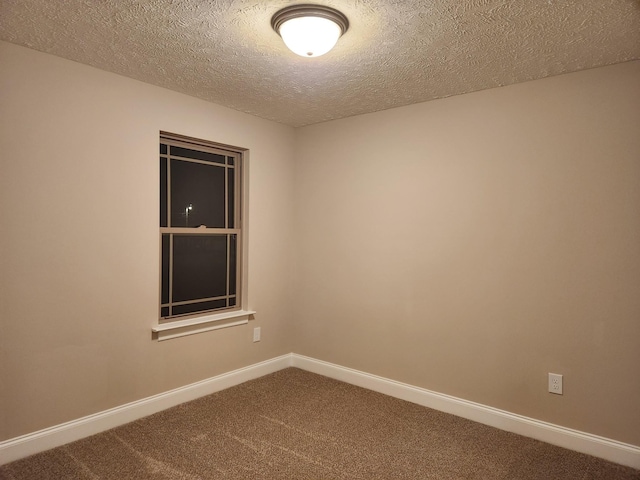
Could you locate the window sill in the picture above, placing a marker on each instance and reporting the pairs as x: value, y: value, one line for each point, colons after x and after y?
x: 181, y: 328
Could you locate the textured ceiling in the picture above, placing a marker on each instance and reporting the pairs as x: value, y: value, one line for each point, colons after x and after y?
x: 394, y: 53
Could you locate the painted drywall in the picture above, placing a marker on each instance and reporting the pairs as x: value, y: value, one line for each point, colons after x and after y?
x: 79, y: 242
x: 467, y: 245
x: 473, y: 244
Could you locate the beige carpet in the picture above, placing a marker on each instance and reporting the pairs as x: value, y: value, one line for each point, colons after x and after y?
x: 297, y: 425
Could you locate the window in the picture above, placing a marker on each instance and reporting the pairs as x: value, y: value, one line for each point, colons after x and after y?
x: 200, y: 227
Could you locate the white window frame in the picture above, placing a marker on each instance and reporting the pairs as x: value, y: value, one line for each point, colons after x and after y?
x: 189, y: 324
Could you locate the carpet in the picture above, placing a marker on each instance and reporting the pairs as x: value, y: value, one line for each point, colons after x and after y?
x: 298, y: 425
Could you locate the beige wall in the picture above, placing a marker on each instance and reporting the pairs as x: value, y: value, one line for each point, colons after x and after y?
x: 78, y: 245
x: 473, y: 244
x: 468, y: 245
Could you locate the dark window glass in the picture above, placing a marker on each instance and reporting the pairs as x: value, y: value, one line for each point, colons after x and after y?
x: 199, y: 307
x: 232, y: 302
x: 163, y: 149
x: 233, y: 240
x: 232, y: 188
x: 231, y: 161
x: 165, y: 269
x: 195, y: 154
x: 197, y: 195
x: 164, y: 312
x: 163, y: 192
x: 199, y: 267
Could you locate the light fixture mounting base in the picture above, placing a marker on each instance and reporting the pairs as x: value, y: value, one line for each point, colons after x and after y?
x: 307, y: 10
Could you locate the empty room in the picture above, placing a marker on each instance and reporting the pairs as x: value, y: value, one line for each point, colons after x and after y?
x: 409, y: 249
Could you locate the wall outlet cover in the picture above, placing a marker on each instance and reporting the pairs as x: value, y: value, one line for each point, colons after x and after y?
x: 555, y: 383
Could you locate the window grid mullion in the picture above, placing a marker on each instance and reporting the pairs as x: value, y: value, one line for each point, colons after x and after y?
x: 168, y: 187
x: 228, y: 265
x: 226, y: 196
x: 199, y: 231
x: 198, y: 300
x: 226, y: 225
x: 201, y: 162
x: 170, y: 274
x: 171, y: 231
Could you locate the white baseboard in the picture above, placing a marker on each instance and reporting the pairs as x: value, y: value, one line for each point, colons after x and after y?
x: 58, y: 435
x: 618, y: 452
x: 614, y: 451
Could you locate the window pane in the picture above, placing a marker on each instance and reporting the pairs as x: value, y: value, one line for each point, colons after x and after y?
x: 165, y: 269
x: 197, y: 195
x: 163, y: 192
x: 198, y: 189
x: 195, y: 154
x: 199, y: 266
x: 232, y: 263
x: 231, y: 195
x: 199, y: 307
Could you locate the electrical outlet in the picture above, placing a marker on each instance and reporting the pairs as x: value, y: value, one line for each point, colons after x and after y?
x: 555, y: 383
x: 256, y: 334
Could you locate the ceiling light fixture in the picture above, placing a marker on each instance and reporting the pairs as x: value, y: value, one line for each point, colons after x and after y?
x: 309, y: 30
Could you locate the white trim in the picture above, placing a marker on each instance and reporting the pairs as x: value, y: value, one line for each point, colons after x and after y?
x: 189, y: 326
x: 612, y: 450
x: 48, y: 438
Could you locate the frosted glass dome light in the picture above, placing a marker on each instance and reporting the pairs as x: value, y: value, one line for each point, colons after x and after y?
x: 309, y: 30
